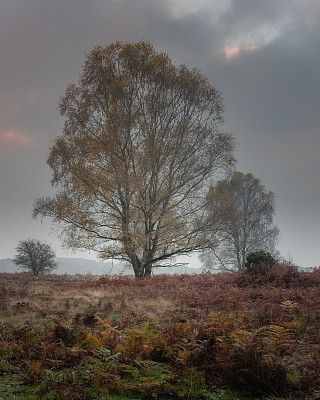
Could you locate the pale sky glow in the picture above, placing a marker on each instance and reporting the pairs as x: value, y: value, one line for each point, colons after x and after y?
x: 15, y: 137
x: 263, y: 55
x: 234, y: 52
x: 253, y: 37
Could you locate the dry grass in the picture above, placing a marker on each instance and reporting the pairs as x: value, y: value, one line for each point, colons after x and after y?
x: 257, y: 334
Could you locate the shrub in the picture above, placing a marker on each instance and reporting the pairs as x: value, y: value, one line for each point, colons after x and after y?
x: 259, y: 262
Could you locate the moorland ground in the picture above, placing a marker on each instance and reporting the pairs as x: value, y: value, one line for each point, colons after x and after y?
x: 223, y: 336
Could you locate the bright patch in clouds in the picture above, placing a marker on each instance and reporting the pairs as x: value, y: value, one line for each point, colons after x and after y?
x: 15, y: 137
x: 233, y: 52
x: 252, y: 39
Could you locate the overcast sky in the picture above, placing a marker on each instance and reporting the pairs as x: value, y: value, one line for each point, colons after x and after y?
x: 263, y: 55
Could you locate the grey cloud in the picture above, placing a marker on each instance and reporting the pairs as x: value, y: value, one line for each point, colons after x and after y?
x: 271, y: 93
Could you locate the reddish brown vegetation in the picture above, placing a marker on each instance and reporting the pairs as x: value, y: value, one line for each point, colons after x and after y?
x: 259, y: 334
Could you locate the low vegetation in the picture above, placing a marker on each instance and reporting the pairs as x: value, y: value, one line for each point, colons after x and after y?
x: 226, y: 336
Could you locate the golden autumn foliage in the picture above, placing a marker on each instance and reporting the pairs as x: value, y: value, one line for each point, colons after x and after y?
x: 170, y: 337
x: 141, y: 141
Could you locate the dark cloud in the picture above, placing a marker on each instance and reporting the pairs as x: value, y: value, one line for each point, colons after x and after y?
x: 264, y: 56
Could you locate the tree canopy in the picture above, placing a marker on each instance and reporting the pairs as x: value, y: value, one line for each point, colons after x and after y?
x: 141, y: 142
x: 35, y: 257
x: 246, y: 224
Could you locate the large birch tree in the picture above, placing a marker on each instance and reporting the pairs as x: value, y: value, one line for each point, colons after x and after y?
x: 141, y: 142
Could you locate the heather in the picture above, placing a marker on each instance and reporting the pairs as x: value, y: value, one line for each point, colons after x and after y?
x: 223, y: 336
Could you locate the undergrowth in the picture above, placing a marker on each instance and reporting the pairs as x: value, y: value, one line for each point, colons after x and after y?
x: 169, y: 337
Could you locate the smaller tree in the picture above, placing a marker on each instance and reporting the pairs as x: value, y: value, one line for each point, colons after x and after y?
x: 245, y: 210
x: 35, y: 257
